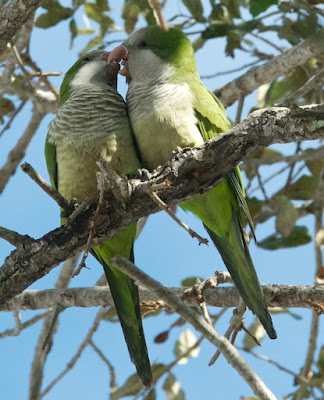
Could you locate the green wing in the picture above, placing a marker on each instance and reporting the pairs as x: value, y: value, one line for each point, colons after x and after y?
x: 219, y: 210
x: 50, y: 156
x: 212, y: 120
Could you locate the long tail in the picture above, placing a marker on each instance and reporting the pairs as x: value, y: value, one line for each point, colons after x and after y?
x: 236, y: 256
x: 219, y: 211
x: 125, y: 294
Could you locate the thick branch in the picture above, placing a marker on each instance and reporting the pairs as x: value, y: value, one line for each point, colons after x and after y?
x: 276, y: 296
x: 274, y: 68
x: 12, y: 16
x: 189, y: 172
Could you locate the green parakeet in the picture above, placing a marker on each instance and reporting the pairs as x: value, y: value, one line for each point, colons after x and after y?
x: 169, y: 107
x: 92, y: 124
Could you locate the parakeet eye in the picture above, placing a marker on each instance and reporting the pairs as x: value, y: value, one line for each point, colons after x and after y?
x: 142, y: 45
x: 86, y: 59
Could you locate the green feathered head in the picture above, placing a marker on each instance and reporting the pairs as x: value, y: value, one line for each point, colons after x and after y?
x: 152, y: 51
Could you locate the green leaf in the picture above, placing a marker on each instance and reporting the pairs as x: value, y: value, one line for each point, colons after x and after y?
x: 284, y: 310
x: 102, y: 5
x: 233, y: 42
x: 131, y: 10
x: 259, y: 6
x: 173, y: 388
x: 74, y: 31
x: 303, y: 189
x: 111, y: 315
x: 257, y: 330
x: 315, y: 166
x: 6, y: 106
x: 286, y: 216
x: 93, y: 11
x: 298, y: 237
x: 186, y: 340
x: 195, y: 8
x: 92, y: 43
x: 190, y: 281
x: 233, y: 8
x: 55, y: 14
x: 151, y: 395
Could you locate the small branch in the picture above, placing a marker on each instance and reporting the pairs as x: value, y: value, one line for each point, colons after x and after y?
x: 52, y: 192
x: 274, y: 68
x: 17, y: 153
x: 165, y: 208
x: 77, y: 355
x: 239, y: 109
x: 13, y: 237
x: 270, y: 361
x: 229, y: 351
x: 45, y: 340
x: 111, y: 368
x: 13, y: 116
x: 155, y: 4
x: 27, y: 324
x: 314, y: 81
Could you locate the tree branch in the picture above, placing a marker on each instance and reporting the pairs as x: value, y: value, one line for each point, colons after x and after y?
x: 224, y: 346
x: 17, y: 153
x: 274, y: 68
x: 191, y: 171
x: 292, y: 296
x: 12, y: 16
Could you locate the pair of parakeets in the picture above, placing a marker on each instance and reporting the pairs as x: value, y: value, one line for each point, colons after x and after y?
x: 167, y: 106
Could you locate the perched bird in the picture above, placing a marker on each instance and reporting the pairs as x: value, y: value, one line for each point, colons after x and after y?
x: 92, y: 124
x: 169, y: 107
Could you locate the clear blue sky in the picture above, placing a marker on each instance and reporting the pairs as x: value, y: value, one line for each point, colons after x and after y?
x: 163, y: 250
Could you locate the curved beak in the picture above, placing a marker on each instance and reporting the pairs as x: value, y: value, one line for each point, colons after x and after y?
x: 113, y: 67
x: 118, y: 53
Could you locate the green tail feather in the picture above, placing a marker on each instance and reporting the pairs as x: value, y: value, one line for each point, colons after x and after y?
x: 125, y: 294
x: 240, y: 266
x: 218, y: 210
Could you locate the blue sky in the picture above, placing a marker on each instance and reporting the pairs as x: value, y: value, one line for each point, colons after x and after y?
x: 163, y: 250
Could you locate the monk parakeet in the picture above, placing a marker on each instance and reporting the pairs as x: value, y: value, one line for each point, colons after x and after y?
x: 169, y: 107
x: 92, y: 124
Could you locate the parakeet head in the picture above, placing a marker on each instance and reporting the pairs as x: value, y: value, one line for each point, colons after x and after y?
x: 152, y: 52
x: 90, y: 70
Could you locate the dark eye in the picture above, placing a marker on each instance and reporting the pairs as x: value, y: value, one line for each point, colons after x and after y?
x: 86, y: 59
x: 142, y: 45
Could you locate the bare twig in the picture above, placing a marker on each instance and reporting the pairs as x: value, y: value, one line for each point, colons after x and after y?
x: 49, y: 327
x: 111, y: 368
x: 314, y: 81
x: 165, y: 208
x: 274, y: 68
x: 155, y: 4
x: 18, y: 152
x: 270, y: 361
x: 77, y: 355
x: 239, y: 109
x: 235, y: 326
x: 24, y: 325
x: 52, y: 192
x: 13, y: 116
x: 13, y: 237
x: 229, y: 351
